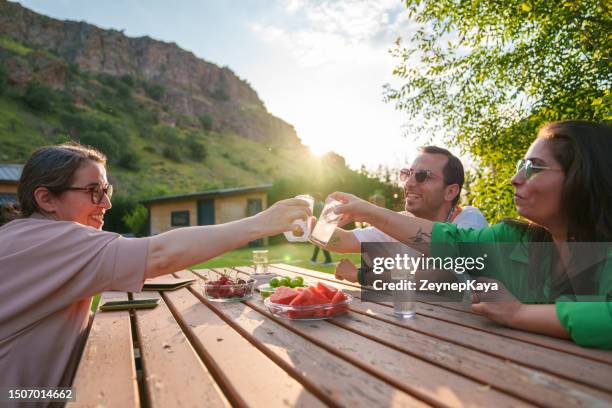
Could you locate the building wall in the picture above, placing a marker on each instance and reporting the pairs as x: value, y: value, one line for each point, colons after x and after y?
x: 233, y: 208
x: 161, y: 214
x: 227, y: 209
x: 8, y: 187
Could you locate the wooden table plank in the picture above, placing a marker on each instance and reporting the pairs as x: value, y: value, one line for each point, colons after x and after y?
x: 106, y: 375
x: 246, y: 375
x: 420, y: 378
x: 321, y: 372
x: 592, y: 373
x: 523, y: 382
x: 174, y: 375
x: 457, y: 315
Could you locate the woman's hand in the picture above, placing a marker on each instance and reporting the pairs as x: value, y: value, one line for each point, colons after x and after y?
x: 345, y: 270
x: 280, y: 217
x: 353, y: 208
x: 501, y: 306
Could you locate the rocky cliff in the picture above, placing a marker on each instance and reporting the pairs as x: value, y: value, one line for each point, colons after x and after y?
x: 192, y: 86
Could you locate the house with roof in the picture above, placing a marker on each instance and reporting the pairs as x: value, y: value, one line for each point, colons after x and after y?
x: 206, y: 207
x: 9, y: 178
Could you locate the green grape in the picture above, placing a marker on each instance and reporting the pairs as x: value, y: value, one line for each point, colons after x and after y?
x: 274, y: 283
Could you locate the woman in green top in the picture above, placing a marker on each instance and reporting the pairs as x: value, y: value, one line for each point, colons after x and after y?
x: 563, y: 188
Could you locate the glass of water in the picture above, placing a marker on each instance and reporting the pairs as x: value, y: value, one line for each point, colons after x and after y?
x: 404, y: 300
x: 326, y: 225
x: 260, y: 260
x: 303, y: 225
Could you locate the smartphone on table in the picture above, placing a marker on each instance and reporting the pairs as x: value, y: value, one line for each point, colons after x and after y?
x: 129, y: 304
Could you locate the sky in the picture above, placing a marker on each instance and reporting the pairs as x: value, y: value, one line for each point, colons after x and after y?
x: 320, y: 65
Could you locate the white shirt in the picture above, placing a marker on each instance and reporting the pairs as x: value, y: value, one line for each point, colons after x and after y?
x: 469, y: 217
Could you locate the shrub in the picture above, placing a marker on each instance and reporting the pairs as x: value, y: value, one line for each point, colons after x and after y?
x: 197, y: 151
x: 124, y: 91
x: 167, y: 134
x: 220, y: 94
x: 39, y: 97
x: 130, y: 160
x: 3, y: 79
x: 128, y: 80
x: 172, y: 152
x: 206, y: 120
x: 154, y: 91
x: 102, y: 141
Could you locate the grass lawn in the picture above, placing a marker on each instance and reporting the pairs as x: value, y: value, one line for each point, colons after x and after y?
x: 297, y: 254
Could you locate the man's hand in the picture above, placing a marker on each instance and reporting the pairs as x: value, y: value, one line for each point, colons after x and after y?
x: 353, y: 208
x: 345, y: 270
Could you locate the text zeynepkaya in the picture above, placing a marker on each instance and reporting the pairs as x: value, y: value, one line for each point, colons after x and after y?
x: 411, y: 264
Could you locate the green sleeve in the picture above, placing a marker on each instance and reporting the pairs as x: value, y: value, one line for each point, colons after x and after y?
x: 589, y: 320
x: 588, y: 323
x: 444, y: 233
x: 447, y: 240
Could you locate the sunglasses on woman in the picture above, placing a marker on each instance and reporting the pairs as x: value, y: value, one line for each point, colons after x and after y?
x: 530, y: 167
x: 97, y: 192
x: 419, y: 175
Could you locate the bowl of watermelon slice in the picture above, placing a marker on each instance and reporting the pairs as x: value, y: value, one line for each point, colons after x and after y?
x: 310, y: 303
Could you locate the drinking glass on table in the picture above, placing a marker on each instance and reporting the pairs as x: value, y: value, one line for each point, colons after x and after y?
x: 327, y: 223
x: 302, y: 225
x: 260, y: 260
x: 404, y: 300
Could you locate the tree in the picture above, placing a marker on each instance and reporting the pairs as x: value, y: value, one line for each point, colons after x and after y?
x: 488, y: 74
x: 137, y: 220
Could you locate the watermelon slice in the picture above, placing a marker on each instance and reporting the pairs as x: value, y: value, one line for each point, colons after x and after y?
x: 338, y: 298
x: 304, y: 298
x: 283, y: 295
x: 326, y: 291
x: 317, y: 297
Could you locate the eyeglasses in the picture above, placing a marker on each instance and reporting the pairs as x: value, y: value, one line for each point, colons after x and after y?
x: 97, y: 192
x: 419, y: 175
x: 530, y: 168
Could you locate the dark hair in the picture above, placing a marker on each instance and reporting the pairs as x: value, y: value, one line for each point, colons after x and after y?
x: 583, y: 150
x: 453, y: 169
x: 53, y: 167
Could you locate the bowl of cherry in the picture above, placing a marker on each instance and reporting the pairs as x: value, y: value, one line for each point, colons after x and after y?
x: 226, y: 289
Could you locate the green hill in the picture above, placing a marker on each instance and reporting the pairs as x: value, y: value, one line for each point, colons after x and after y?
x: 165, y: 130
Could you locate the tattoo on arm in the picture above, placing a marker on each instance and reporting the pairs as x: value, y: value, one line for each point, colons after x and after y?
x: 420, y: 237
x: 335, y: 238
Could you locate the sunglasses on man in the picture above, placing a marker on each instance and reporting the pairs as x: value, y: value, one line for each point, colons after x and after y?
x: 97, y: 192
x: 530, y: 167
x: 419, y: 175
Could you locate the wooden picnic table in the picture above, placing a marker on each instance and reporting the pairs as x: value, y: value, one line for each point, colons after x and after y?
x: 193, y: 352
